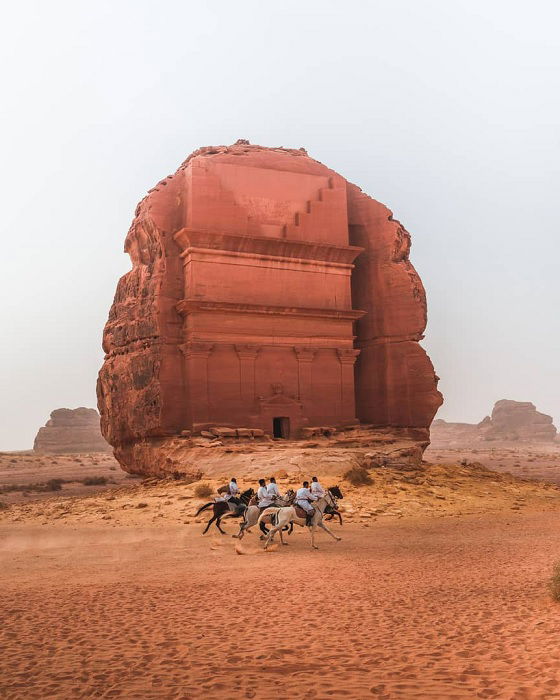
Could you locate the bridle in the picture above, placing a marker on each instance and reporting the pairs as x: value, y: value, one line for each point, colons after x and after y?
x: 246, y: 496
x: 334, y: 502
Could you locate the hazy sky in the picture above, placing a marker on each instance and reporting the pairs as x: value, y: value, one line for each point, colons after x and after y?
x: 447, y: 111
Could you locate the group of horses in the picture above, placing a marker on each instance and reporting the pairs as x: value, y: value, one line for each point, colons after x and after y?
x: 280, y: 516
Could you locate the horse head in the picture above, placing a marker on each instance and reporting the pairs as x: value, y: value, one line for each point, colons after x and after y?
x: 335, y: 491
x: 246, y: 495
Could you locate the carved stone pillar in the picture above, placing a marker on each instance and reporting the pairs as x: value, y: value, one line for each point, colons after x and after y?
x: 196, y: 362
x: 347, y: 358
x: 305, y: 356
x: 247, y: 355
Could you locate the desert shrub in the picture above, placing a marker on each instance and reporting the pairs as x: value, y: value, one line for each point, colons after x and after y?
x: 358, y: 475
x: 554, y: 582
x: 54, y: 484
x: 95, y: 481
x: 203, y: 490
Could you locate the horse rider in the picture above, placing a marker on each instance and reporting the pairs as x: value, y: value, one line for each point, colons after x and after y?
x: 316, y: 488
x: 303, y: 498
x: 232, y: 494
x: 263, y: 497
x: 272, y: 489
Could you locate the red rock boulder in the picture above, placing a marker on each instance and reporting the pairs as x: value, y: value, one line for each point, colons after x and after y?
x: 71, y: 430
x: 266, y: 293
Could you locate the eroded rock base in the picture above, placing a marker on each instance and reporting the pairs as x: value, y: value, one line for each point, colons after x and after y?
x: 192, y: 458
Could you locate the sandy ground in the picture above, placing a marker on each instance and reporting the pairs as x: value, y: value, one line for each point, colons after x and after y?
x: 531, y: 461
x: 27, y: 469
x: 415, y: 608
x: 438, y: 589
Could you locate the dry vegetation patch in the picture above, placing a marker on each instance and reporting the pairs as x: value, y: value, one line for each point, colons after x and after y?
x: 358, y: 476
x: 203, y: 490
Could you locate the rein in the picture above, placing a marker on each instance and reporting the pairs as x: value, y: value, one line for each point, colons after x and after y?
x: 246, y: 496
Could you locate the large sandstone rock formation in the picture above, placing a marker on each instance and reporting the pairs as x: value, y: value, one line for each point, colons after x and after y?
x: 511, y: 421
x: 259, y: 278
x: 71, y: 430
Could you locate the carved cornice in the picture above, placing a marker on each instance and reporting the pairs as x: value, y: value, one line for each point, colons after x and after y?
x: 347, y: 356
x: 189, y: 306
x: 196, y: 349
x: 191, y: 239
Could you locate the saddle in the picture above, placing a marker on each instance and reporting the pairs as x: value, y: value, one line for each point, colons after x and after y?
x: 235, y: 507
x: 300, y: 512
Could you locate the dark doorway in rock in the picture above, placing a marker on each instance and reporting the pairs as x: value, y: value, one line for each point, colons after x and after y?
x: 281, y: 427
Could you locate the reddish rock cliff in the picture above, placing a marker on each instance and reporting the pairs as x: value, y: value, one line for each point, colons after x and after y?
x: 71, y: 430
x: 266, y: 293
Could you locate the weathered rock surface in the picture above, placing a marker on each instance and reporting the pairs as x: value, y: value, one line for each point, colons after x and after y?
x: 260, y: 278
x: 511, y: 421
x: 518, y: 420
x: 71, y: 430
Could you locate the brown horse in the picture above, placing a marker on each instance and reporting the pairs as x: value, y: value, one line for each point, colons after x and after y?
x: 221, y: 508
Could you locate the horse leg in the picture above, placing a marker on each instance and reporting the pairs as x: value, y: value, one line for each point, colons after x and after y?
x: 326, y: 529
x: 263, y: 529
x: 271, y: 534
x: 209, y: 523
x: 218, y: 525
x: 241, y: 532
x: 312, y: 528
x: 339, y: 517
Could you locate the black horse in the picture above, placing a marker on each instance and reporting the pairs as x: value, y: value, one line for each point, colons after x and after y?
x: 221, y: 508
x: 331, y: 512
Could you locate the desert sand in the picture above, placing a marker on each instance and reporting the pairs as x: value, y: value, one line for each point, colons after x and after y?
x: 438, y: 589
x: 539, y: 461
x: 23, y: 475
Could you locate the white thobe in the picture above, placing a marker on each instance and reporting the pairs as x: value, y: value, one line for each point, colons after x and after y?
x: 233, y: 490
x: 303, y: 496
x: 263, y: 497
x: 273, y: 491
x: 317, y: 489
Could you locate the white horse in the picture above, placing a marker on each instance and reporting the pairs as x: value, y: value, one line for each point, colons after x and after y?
x: 251, y: 515
x: 285, y: 516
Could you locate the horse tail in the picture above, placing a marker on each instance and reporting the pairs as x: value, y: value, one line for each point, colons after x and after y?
x: 204, y: 507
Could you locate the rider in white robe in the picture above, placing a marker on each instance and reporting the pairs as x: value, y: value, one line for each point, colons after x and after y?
x: 263, y: 496
x: 316, y: 488
x: 303, y: 498
x: 272, y: 489
x: 233, y: 492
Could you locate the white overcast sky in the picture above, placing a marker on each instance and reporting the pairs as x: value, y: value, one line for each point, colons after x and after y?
x: 447, y: 111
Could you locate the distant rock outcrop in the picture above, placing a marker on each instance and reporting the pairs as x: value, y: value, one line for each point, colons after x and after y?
x: 511, y: 421
x: 71, y: 430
